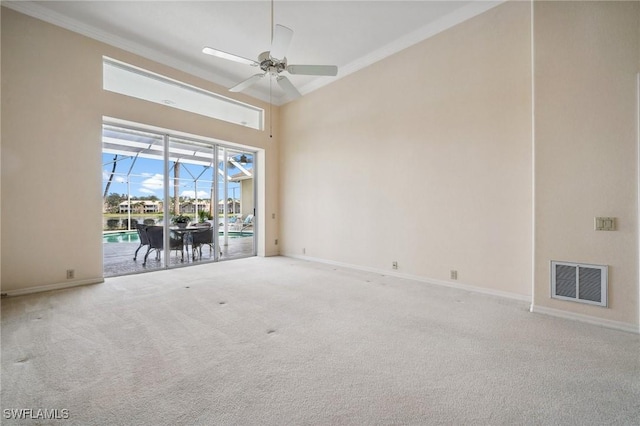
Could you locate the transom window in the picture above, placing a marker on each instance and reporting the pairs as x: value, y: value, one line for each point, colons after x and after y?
x: 129, y: 80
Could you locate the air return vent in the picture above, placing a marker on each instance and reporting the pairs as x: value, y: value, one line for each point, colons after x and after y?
x: 579, y: 282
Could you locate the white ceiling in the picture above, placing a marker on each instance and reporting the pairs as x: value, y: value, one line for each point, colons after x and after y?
x: 349, y: 34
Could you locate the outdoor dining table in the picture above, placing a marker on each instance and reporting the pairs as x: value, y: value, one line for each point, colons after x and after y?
x: 186, y: 233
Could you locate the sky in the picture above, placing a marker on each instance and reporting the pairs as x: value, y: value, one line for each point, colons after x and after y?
x: 147, y: 179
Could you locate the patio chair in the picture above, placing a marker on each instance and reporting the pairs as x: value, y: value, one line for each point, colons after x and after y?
x: 235, y: 223
x: 142, y: 236
x: 247, y: 223
x: 202, y: 237
x: 155, y: 234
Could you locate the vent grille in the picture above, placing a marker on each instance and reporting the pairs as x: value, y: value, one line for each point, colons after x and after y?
x: 579, y: 282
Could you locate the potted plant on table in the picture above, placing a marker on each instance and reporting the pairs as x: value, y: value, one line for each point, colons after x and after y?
x: 181, y: 220
x: 204, y: 215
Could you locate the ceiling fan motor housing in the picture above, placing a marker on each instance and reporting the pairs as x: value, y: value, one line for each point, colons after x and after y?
x: 271, y: 65
x: 273, y: 62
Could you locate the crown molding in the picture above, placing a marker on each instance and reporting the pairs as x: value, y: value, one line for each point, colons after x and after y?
x: 415, y: 37
x: 36, y: 11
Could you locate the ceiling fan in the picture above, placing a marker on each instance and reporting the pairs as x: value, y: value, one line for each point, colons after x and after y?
x: 274, y: 62
x: 242, y: 159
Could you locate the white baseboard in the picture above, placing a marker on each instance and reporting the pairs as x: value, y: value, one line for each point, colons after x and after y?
x: 616, y: 325
x: 49, y: 287
x: 451, y: 284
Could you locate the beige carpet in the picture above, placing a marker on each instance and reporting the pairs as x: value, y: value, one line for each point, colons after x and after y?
x: 281, y: 341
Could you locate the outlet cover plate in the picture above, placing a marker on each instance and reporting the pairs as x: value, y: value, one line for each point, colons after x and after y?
x: 605, y: 223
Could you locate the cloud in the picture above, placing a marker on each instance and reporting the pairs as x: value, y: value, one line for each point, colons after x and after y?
x: 117, y: 178
x: 151, y: 185
x: 191, y: 194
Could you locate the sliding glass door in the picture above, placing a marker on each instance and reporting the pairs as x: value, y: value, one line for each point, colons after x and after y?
x: 132, y: 197
x: 174, y: 201
x: 236, y: 203
x: 192, y: 177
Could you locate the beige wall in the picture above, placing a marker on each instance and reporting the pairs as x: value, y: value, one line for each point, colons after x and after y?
x: 423, y: 158
x: 52, y: 109
x: 427, y: 157
x: 247, y: 194
x: 586, y: 61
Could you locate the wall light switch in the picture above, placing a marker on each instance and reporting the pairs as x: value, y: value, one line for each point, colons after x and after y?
x: 605, y: 223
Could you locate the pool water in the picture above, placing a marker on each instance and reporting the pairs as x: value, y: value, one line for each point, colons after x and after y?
x: 121, y: 237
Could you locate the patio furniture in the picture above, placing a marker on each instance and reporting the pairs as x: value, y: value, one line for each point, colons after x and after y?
x: 186, y: 233
x: 203, y: 225
x: 235, y: 223
x: 247, y: 223
x: 142, y: 236
x: 202, y: 237
x: 155, y: 234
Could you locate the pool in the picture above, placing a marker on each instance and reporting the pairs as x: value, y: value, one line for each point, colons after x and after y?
x: 132, y: 236
x: 121, y: 237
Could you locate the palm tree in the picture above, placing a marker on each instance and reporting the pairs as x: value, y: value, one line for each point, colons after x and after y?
x: 139, y: 207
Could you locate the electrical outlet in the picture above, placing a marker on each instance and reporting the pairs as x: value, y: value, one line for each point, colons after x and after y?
x: 304, y: 250
x: 71, y: 274
x: 276, y: 241
x: 394, y: 264
x: 453, y: 274
x: 605, y: 223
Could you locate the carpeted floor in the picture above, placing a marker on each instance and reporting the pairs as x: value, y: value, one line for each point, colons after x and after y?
x: 282, y: 341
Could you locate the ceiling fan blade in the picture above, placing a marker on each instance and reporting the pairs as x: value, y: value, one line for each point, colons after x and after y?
x: 281, y: 40
x: 247, y: 83
x: 330, y: 70
x: 224, y: 55
x: 288, y: 87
